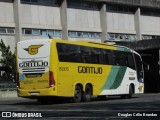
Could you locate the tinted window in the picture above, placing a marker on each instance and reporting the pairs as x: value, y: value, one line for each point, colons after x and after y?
x: 42, y: 2
x: 138, y: 63
x: 131, y: 62
x: 85, y: 54
x: 28, y: 31
x: 119, y: 58
x: 96, y: 56
x: 62, y: 52
x: 108, y: 57
x: 150, y: 12
x: 120, y: 9
x: 10, y: 30
x: 68, y: 53
x: 139, y: 68
x: 83, y: 5
x: 73, y: 53
x: 124, y: 59
x: 2, y: 30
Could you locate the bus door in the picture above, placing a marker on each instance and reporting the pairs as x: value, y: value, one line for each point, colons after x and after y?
x: 140, y: 72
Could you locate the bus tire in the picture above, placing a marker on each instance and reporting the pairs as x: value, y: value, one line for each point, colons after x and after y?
x: 87, y: 93
x: 77, y: 94
x: 131, y: 91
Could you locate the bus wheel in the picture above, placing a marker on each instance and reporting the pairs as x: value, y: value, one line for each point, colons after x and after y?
x: 131, y: 92
x: 87, y: 94
x: 77, y: 94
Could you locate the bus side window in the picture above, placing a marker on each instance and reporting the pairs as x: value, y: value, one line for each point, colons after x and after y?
x: 120, y: 57
x: 108, y: 57
x: 62, y: 52
x: 116, y: 58
x: 131, y: 63
x: 139, y: 68
x: 85, y: 54
x: 68, y: 53
x: 96, y: 56
x: 73, y: 53
x: 125, y: 59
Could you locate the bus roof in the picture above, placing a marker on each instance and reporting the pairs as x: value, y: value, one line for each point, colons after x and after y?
x: 85, y: 43
x: 95, y: 44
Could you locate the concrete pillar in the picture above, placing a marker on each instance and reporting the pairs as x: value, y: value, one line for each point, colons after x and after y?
x: 18, y: 28
x: 137, y: 19
x: 103, y: 20
x: 64, y: 20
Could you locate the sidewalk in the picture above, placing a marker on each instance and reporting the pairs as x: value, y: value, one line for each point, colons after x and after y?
x: 8, y: 93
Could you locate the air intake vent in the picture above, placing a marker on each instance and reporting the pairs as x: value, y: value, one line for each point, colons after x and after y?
x: 33, y: 70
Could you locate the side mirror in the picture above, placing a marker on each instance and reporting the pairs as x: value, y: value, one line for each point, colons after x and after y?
x: 146, y: 66
x: 141, y: 73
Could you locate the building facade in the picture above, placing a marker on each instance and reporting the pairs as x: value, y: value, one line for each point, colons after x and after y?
x: 94, y: 20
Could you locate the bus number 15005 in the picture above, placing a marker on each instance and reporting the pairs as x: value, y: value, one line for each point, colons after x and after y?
x: 63, y: 69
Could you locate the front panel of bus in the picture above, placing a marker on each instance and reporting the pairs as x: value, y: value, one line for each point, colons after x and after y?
x: 33, y: 61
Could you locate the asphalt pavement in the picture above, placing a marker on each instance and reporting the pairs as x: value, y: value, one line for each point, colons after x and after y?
x: 142, y: 106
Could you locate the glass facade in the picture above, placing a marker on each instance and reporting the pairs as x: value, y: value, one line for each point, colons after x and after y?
x: 150, y: 12
x: 42, y: 2
x: 90, y: 35
x: 120, y: 9
x: 41, y: 32
x: 80, y: 4
x: 121, y: 37
x: 4, y: 30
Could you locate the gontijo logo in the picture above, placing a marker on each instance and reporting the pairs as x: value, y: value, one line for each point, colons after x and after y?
x: 33, y: 49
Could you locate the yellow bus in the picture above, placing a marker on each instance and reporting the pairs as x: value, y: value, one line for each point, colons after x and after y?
x: 48, y: 68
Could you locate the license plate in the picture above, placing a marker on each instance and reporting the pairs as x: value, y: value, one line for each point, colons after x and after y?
x: 34, y: 94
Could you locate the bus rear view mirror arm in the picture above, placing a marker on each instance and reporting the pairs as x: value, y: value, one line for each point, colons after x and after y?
x: 146, y: 66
